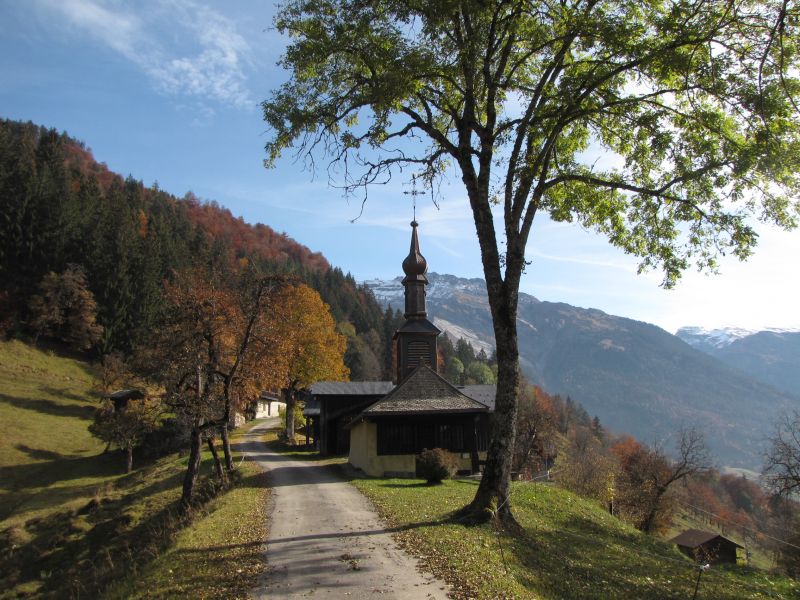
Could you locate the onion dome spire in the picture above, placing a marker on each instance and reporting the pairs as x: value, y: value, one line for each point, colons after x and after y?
x: 414, y: 264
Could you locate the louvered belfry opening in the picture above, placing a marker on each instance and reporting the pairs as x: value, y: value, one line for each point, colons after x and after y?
x: 416, y: 339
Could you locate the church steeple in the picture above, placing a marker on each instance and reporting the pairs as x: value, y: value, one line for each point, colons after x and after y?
x: 415, y: 266
x: 416, y: 339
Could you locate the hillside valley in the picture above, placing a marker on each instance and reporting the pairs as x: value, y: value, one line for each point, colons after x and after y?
x: 634, y: 376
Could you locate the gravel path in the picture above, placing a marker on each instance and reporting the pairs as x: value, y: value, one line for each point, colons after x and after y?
x: 325, y: 539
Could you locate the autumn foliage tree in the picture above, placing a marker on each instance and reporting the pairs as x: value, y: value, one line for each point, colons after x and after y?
x: 782, y: 459
x: 65, y: 309
x: 309, y: 343
x: 536, y: 431
x: 185, y: 354
x: 646, y: 476
x: 227, y: 336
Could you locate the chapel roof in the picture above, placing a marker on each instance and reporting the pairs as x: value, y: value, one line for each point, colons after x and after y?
x: 424, y: 392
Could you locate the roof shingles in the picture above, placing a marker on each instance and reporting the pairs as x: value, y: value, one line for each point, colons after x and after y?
x: 351, y: 388
x: 424, y: 391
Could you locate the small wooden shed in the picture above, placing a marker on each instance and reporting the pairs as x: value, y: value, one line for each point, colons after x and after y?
x: 706, y: 546
x: 121, y: 398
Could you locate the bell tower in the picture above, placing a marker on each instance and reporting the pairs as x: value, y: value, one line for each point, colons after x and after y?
x: 415, y: 341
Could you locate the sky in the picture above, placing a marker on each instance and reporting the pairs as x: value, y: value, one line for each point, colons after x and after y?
x: 168, y: 91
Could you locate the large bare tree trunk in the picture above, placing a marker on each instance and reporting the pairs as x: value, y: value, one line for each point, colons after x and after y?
x: 192, y: 468
x: 493, y: 491
x: 492, y: 496
x: 226, y: 446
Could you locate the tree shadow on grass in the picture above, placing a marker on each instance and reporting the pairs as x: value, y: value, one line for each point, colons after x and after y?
x: 79, y: 553
x: 69, y: 395
x: 50, y: 407
x: 48, y: 472
x: 581, y: 559
x: 38, y: 454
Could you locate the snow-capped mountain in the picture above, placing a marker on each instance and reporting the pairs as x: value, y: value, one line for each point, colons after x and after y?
x: 440, y: 287
x: 700, y: 337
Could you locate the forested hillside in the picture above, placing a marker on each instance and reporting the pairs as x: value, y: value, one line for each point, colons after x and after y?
x: 60, y: 207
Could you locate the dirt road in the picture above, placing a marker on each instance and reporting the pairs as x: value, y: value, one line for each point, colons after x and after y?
x: 325, y: 539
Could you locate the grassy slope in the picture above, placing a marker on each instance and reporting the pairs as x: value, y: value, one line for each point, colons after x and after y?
x: 70, y: 521
x: 570, y: 549
x: 46, y: 405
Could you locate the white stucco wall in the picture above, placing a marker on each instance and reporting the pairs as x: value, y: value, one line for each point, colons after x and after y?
x: 268, y: 409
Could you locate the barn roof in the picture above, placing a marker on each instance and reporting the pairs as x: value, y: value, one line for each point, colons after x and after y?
x: 694, y: 538
x: 127, y: 395
x: 424, y: 392
x: 483, y: 393
x: 351, y: 388
x: 311, y: 409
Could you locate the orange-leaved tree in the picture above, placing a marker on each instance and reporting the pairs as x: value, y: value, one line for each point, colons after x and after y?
x: 313, y: 349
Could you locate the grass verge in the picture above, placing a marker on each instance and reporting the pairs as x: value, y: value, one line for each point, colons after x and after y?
x: 569, y: 548
x: 219, y: 555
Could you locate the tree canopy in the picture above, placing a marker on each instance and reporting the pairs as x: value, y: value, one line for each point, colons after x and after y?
x: 692, y: 102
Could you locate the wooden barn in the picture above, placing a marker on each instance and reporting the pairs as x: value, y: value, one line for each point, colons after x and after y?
x: 706, y: 546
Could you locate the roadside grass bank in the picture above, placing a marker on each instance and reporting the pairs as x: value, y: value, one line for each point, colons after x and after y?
x: 220, y: 554
x: 568, y: 548
x: 72, y: 523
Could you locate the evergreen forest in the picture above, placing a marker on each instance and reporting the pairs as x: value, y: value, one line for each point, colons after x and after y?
x: 62, y: 212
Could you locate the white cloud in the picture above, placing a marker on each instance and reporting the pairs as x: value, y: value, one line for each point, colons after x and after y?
x: 184, y: 48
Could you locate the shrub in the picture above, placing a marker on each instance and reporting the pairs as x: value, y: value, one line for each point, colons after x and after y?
x: 436, y: 465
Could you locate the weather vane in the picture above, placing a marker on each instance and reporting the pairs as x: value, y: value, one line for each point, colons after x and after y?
x: 414, y: 193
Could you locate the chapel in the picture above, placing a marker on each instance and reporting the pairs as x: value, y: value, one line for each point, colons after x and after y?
x: 384, y: 425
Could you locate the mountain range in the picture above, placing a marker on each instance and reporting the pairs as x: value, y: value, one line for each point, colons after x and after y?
x: 636, y: 377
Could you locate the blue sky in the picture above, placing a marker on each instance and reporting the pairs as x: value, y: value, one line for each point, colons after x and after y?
x: 168, y: 91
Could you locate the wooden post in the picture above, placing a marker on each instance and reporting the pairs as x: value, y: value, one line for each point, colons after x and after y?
x: 473, y: 455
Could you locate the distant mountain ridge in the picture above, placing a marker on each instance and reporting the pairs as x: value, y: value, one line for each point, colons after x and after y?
x: 635, y: 376
x: 771, y: 355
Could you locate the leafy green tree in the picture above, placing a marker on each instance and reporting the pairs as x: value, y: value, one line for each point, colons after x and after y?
x: 454, y: 370
x: 465, y: 352
x: 697, y: 100
x: 478, y: 372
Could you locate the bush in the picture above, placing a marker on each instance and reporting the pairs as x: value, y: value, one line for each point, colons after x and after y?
x: 436, y: 465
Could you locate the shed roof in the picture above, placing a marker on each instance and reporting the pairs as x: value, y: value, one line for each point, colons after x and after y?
x: 127, y: 395
x: 424, y: 392
x: 311, y: 409
x: 483, y: 393
x: 694, y: 538
x: 351, y: 388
